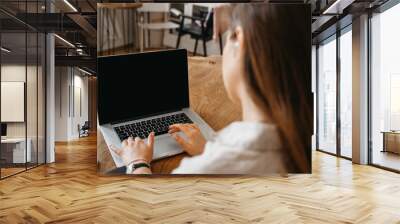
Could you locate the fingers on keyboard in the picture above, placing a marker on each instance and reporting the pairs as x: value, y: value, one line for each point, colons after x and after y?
x: 159, y: 126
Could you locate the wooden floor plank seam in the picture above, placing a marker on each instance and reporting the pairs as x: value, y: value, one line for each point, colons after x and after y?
x: 70, y: 191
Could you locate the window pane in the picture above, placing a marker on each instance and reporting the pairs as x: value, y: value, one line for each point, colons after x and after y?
x: 345, y: 94
x: 385, y: 84
x: 327, y: 96
x: 314, y: 81
x: 31, y: 99
x: 14, y: 151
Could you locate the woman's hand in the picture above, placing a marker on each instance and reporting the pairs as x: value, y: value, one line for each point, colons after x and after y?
x: 136, y: 150
x: 194, y: 145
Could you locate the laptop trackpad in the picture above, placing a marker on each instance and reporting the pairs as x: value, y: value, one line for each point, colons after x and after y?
x: 164, y: 146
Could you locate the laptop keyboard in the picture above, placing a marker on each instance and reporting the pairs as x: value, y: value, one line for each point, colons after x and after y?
x: 159, y: 125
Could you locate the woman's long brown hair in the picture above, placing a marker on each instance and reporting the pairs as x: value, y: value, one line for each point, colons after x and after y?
x: 278, y: 69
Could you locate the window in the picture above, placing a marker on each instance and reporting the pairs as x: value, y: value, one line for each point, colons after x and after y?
x: 346, y: 93
x: 314, y: 91
x: 334, y: 106
x: 326, y: 139
x: 22, y: 79
x: 385, y: 89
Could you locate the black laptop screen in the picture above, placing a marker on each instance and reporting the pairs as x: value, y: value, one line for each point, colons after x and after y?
x: 138, y: 85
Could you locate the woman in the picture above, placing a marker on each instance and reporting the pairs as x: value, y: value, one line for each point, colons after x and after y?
x: 272, y: 90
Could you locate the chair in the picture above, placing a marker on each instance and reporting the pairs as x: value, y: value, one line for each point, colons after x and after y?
x: 201, y: 27
x: 84, y: 130
x: 146, y: 25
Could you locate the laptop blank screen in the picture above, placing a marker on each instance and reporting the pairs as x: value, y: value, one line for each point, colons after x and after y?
x: 138, y: 85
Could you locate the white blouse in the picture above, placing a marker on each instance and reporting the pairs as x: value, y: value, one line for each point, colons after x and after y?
x: 240, y: 148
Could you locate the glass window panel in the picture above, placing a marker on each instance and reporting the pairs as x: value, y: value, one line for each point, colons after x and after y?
x: 22, y: 62
x: 346, y: 94
x: 314, y: 77
x: 327, y: 96
x: 32, y: 98
x: 385, y: 88
x: 13, y: 87
x: 41, y: 99
x: 32, y: 88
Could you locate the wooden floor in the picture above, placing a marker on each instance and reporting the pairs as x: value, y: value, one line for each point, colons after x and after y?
x: 5, y: 172
x: 70, y: 191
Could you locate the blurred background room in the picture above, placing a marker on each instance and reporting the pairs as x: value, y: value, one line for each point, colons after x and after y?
x: 133, y: 27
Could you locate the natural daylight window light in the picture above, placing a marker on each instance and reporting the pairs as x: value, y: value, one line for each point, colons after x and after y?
x: 385, y: 89
x: 346, y: 94
x: 327, y: 96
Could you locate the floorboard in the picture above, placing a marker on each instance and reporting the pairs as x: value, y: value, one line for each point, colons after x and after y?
x: 70, y: 191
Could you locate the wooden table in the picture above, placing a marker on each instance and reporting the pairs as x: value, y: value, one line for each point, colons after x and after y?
x: 391, y: 141
x: 207, y: 97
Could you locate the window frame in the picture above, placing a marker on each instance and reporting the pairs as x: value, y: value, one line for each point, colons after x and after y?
x: 334, y: 37
x: 27, y: 29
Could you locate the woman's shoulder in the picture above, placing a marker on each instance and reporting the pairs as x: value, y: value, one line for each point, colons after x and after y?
x: 249, y: 135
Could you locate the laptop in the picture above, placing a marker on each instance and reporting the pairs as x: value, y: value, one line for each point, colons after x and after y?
x: 144, y: 92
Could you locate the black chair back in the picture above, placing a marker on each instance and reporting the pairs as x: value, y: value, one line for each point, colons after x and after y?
x: 199, y: 11
x: 210, y: 25
x: 86, y: 125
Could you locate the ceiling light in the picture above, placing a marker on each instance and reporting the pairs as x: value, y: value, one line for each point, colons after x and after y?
x: 65, y: 41
x: 70, y: 5
x: 5, y: 50
x: 84, y: 71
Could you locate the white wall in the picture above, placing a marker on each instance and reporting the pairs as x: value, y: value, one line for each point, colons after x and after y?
x: 33, y: 126
x: 79, y: 117
x: 9, y: 73
x: 12, y: 73
x: 70, y: 83
x: 12, y: 101
x: 61, y: 103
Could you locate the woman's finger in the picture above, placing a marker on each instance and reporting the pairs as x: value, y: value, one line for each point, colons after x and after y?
x: 130, y: 140
x: 183, y: 128
x: 195, y: 126
x: 177, y: 125
x: 137, y: 140
x: 150, y: 140
x: 190, y: 126
x: 172, y: 130
x: 190, y: 129
x: 124, y: 143
x: 181, y: 141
